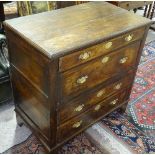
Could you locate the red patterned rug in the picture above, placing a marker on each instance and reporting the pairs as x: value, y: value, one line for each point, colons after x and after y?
x: 78, y: 145
x: 133, y: 131
x: 142, y: 100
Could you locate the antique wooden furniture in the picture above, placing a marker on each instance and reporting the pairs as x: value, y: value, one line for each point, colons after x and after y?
x: 72, y: 66
x: 63, y: 4
x: 132, y: 5
x: 33, y: 7
x: 149, y: 10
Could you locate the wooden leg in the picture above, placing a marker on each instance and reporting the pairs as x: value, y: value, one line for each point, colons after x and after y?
x: 149, y: 11
x: 152, y: 12
x: 145, y: 11
x: 20, y: 122
x: 123, y: 108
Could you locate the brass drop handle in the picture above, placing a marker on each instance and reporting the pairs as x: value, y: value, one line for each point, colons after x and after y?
x: 118, y: 86
x: 82, y: 79
x: 105, y: 59
x: 123, y: 60
x: 108, y: 45
x: 100, y: 93
x: 79, y: 108
x: 97, y: 107
x: 129, y: 37
x: 84, y: 55
x: 114, y: 102
x: 77, y: 124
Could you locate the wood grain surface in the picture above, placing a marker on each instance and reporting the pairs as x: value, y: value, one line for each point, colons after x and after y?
x: 97, y: 71
x: 75, y: 27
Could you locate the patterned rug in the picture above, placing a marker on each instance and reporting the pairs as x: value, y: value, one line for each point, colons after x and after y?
x: 142, y: 100
x: 132, y: 132
x: 78, y: 145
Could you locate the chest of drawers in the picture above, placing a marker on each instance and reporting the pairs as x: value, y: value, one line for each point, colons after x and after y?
x: 70, y: 67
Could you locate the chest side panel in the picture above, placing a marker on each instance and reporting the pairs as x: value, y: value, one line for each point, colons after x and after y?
x: 30, y: 80
x: 28, y: 61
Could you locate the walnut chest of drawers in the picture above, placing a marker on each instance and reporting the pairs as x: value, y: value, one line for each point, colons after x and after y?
x: 70, y: 67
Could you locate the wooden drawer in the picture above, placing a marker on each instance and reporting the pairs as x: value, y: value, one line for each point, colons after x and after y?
x: 99, y: 70
x: 82, y: 103
x: 78, y: 123
x: 133, y: 5
x: 88, y: 54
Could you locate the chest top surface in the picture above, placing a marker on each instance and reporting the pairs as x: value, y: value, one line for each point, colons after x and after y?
x: 61, y: 31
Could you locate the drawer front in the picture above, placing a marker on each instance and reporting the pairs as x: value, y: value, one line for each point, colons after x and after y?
x: 77, y: 124
x: 82, y: 103
x: 99, y: 70
x: 88, y: 54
